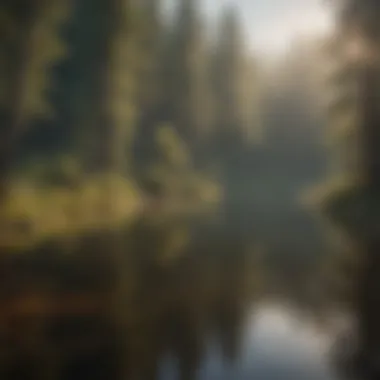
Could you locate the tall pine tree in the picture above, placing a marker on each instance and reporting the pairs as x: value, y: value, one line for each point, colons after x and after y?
x: 152, y: 40
x: 98, y: 96
x: 189, y: 93
x: 233, y: 88
x: 356, y: 208
x: 30, y: 46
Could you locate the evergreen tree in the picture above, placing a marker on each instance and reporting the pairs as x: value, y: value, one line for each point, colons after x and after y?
x: 342, y: 112
x: 108, y: 126
x: 356, y: 208
x: 152, y: 39
x: 189, y: 100
x: 233, y: 89
x: 98, y: 94
x: 30, y: 46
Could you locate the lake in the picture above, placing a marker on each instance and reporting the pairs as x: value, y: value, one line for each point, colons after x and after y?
x: 166, y: 297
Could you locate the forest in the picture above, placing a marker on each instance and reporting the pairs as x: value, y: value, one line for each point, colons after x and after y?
x: 160, y: 177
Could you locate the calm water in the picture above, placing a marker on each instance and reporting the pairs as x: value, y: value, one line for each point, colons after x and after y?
x: 274, y: 346
x: 167, y: 297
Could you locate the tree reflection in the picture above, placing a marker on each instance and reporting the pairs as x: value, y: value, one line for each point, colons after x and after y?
x: 112, y: 304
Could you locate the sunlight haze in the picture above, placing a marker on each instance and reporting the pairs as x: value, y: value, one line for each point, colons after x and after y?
x: 272, y: 25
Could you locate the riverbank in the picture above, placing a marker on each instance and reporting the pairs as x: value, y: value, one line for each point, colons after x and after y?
x: 34, y: 212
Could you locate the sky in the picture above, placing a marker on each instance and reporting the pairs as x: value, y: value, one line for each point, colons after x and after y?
x: 271, y: 25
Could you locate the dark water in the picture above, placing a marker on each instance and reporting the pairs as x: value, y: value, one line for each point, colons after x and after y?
x: 167, y: 297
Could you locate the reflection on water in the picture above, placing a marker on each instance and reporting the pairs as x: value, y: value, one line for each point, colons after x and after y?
x: 274, y: 347
x: 164, y: 298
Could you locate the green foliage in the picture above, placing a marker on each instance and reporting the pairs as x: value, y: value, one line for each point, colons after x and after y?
x: 112, y: 72
x: 174, y: 171
x: 37, y: 41
x: 172, y: 150
x: 172, y: 163
x: 351, y: 206
x: 343, y: 110
x: 53, y: 207
x: 49, y: 49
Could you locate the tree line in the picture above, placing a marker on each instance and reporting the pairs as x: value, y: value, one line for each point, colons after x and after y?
x: 99, y: 80
x: 352, y: 204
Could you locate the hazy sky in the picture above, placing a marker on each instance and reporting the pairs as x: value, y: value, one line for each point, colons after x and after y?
x: 272, y: 24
